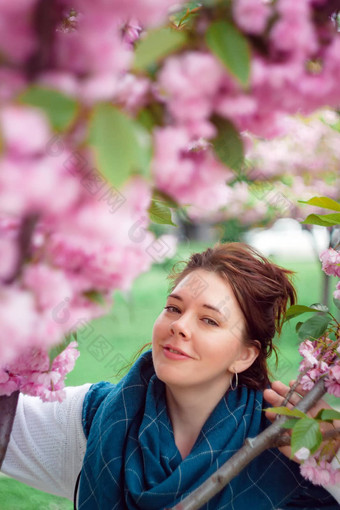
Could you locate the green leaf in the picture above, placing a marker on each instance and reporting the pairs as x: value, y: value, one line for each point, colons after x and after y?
x: 95, y: 297
x: 287, y: 412
x: 314, y: 327
x: 319, y: 307
x: 324, y: 202
x: 160, y: 213
x: 298, y: 326
x: 231, y: 47
x: 328, y: 415
x: 56, y: 350
x: 146, y: 119
x: 289, y: 424
x: 156, y: 45
x: 61, y: 110
x: 336, y: 302
x: 296, y: 310
x: 160, y: 196
x: 120, y: 144
x: 185, y: 16
x: 306, y: 433
x: 335, y: 126
x: 324, y: 220
x: 228, y: 145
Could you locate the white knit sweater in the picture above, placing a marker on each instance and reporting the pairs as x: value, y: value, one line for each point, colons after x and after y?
x: 47, y: 444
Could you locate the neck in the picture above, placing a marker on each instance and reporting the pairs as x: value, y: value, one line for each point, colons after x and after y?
x: 189, y: 409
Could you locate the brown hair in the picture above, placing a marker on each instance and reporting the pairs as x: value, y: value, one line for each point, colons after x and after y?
x: 262, y: 290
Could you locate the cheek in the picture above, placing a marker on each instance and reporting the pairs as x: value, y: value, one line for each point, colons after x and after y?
x: 157, y: 328
x: 224, y: 349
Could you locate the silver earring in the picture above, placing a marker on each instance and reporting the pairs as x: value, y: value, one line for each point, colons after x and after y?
x: 234, y: 386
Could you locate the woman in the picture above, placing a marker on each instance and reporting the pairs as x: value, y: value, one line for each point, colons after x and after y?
x: 183, y: 409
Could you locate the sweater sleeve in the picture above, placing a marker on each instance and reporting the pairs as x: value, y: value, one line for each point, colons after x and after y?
x: 47, y: 443
x: 335, y: 489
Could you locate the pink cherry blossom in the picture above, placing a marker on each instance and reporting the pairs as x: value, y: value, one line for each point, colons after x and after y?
x: 97, y: 31
x: 302, y: 454
x: 336, y: 293
x: 188, y: 84
x: 16, y: 303
x: 64, y: 81
x: 132, y: 92
x: 17, y: 123
x: 49, y: 285
x: 332, y: 381
x: 319, y: 472
x: 330, y: 259
x: 33, y: 374
x: 17, y: 35
x: 273, y: 156
x: 319, y: 360
x: 333, y: 387
x: 294, y: 31
x: 251, y: 15
x: 307, y: 383
x: 310, y: 352
x: 148, y: 13
x: 64, y: 362
x: 47, y: 187
x: 191, y: 185
x: 11, y: 83
x: 100, y: 86
x: 132, y: 31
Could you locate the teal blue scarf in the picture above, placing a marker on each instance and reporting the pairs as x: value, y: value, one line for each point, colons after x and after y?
x: 132, y: 461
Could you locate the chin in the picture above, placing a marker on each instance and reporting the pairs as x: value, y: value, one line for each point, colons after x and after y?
x: 167, y: 374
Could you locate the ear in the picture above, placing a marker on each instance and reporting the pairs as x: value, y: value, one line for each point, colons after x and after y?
x: 247, y: 356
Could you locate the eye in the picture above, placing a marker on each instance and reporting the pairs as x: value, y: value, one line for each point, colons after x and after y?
x: 209, y: 322
x: 172, y: 309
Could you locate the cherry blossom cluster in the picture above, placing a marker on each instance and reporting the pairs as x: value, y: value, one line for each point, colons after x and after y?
x: 87, y: 239
x: 320, y: 360
x: 34, y: 374
x: 309, y: 149
x: 37, y: 43
x: 317, y: 468
x: 292, y: 70
x: 331, y: 265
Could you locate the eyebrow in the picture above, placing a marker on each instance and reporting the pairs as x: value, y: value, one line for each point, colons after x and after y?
x: 210, y: 307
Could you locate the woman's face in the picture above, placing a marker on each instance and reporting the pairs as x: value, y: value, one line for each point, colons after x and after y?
x: 197, y: 338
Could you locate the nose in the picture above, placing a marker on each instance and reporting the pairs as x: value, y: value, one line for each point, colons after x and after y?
x: 181, y: 328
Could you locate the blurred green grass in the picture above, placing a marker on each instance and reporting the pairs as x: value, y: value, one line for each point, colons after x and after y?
x: 108, y: 344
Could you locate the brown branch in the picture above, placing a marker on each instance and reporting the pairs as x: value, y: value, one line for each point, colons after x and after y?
x: 24, y: 245
x: 325, y: 11
x: 8, y: 407
x: 46, y: 17
x: 252, y: 448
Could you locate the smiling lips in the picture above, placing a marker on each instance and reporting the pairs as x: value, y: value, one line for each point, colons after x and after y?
x: 172, y: 353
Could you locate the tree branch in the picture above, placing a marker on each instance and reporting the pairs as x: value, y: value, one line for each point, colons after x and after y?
x: 252, y: 448
x: 8, y: 407
x: 24, y: 245
x: 46, y: 17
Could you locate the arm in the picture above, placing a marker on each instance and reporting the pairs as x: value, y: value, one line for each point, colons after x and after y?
x: 47, y: 443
